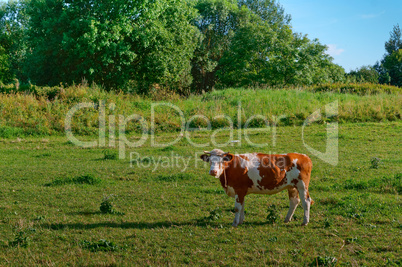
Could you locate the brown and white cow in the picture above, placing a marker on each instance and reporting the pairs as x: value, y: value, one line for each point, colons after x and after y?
x: 259, y: 173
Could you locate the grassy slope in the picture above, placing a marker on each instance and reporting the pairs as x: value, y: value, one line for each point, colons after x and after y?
x: 166, y: 213
x: 22, y: 114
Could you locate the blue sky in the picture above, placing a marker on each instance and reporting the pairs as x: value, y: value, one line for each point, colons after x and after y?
x: 354, y: 30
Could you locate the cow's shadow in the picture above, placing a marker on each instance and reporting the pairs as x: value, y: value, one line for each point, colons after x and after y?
x: 124, y: 225
x: 146, y: 225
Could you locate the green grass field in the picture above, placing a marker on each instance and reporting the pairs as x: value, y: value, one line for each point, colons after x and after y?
x: 164, y: 214
x: 43, y: 113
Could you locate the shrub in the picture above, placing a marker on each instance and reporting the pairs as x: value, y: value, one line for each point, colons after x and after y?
x: 21, y: 239
x: 375, y: 163
x: 106, y: 207
x: 9, y: 132
x: 214, y: 215
x: 272, y: 216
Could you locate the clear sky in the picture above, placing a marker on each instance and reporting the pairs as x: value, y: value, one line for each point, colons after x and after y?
x: 354, y: 30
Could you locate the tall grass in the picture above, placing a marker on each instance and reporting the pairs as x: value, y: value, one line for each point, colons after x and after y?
x: 42, y: 110
x: 355, y: 88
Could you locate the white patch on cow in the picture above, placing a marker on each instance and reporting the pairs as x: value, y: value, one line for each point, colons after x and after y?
x: 238, y: 209
x: 293, y: 173
x: 230, y: 191
x: 252, y: 164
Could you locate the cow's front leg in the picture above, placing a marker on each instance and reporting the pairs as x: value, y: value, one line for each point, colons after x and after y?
x: 242, y: 214
x: 239, y: 210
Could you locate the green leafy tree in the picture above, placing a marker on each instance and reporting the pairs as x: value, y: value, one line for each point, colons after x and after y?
x: 364, y: 74
x: 5, y: 74
x: 383, y: 75
x: 251, y: 43
x: 111, y: 42
x: 393, y: 65
x: 233, y: 33
x: 262, y: 54
x: 217, y: 23
x: 268, y: 10
x: 253, y: 57
x: 390, y: 68
x: 13, y: 26
x: 395, y: 41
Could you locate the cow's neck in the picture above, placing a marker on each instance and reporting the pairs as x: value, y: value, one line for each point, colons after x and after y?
x: 223, y: 178
x: 227, y: 172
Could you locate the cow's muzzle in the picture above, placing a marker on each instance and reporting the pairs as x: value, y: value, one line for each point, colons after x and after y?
x: 213, y: 173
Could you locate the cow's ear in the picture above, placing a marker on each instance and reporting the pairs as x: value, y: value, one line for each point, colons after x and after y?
x: 205, y: 157
x: 227, y: 157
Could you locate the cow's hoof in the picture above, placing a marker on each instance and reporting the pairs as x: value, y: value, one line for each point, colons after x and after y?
x: 286, y: 221
x: 304, y: 224
x: 234, y: 225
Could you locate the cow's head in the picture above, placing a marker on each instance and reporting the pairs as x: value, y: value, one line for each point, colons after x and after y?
x: 218, y: 161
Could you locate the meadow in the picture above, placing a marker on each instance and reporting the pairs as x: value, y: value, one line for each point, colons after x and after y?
x: 61, y: 204
x: 41, y: 111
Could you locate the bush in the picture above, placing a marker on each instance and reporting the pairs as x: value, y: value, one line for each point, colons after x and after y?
x: 214, y: 215
x: 272, y: 216
x: 21, y: 239
x: 375, y: 163
x: 9, y: 132
x: 106, y: 206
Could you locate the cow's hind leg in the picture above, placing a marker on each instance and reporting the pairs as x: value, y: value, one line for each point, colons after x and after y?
x: 306, y: 201
x: 293, y: 202
x: 239, y: 210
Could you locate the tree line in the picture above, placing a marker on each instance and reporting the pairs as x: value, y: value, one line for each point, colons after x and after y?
x: 186, y: 46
